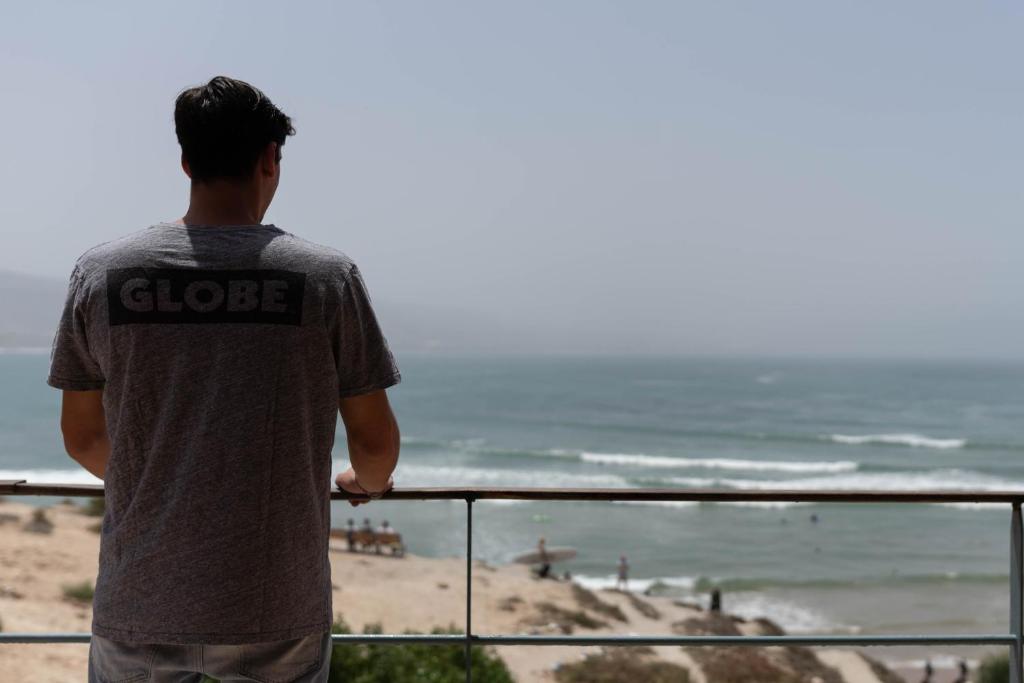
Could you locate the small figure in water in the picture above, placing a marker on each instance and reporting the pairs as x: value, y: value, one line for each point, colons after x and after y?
x: 814, y: 519
x: 622, y: 582
x: 716, y: 600
x: 964, y: 676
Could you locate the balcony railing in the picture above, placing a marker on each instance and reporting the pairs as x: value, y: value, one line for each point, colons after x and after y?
x: 1013, y: 639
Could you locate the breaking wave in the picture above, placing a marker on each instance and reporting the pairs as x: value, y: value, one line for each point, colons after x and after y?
x: 911, y: 440
x: 641, y: 460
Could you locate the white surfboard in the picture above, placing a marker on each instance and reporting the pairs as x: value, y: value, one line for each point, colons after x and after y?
x: 554, y: 555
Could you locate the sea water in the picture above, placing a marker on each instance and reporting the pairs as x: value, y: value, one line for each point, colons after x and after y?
x: 664, y: 422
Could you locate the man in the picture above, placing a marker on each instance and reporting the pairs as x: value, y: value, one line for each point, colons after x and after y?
x: 204, y: 362
x: 622, y: 580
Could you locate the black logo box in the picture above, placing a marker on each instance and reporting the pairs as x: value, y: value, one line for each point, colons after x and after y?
x: 140, y: 296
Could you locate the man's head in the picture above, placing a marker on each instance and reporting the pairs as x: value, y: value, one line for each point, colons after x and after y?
x: 230, y: 131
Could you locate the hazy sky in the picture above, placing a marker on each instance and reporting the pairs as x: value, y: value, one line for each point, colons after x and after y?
x: 674, y: 177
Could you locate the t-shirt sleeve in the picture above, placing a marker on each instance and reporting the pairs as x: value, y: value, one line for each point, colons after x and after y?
x: 363, y: 360
x: 72, y: 367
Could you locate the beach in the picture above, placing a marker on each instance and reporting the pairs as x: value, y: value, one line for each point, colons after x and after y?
x: 400, y: 594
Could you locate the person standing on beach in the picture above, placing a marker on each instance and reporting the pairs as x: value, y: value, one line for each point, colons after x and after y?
x: 204, y: 362
x: 622, y: 581
x: 545, y: 562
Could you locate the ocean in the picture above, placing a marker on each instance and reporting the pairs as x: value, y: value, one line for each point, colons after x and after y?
x: 669, y: 422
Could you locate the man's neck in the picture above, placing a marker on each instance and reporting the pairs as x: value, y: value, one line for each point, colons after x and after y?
x: 223, y: 203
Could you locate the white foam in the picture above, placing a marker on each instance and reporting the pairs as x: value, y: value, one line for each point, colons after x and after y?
x: 75, y: 476
x: 792, y: 617
x: 642, y: 460
x: 940, y: 480
x: 660, y: 503
x: 912, y: 440
x: 763, y: 504
x: 410, y: 475
x: 635, y: 585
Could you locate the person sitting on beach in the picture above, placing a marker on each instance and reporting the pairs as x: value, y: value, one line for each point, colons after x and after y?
x: 204, y: 362
x: 382, y: 532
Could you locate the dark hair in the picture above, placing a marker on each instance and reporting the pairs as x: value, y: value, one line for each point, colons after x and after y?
x: 223, y: 127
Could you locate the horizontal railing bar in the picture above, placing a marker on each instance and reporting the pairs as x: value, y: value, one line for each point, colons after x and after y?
x: 688, y: 641
x: 752, y: 641
x: 21, y: 488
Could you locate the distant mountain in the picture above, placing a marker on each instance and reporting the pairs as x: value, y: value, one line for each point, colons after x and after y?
x: 30, y: 307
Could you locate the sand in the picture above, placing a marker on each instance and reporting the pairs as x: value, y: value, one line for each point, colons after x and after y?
x: 408, y: 593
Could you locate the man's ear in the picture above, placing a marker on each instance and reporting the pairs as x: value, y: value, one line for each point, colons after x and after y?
x: 268, y: 159
x: 184, y: 165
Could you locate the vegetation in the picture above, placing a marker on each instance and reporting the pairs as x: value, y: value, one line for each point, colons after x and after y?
x: 618, y: 664
x: 409, y: 663
x: 742, y: 665
x: 994, y: 669
x: 565, y: 619
x: 40, y: 523
x: 642, y: 606
x: 589, y: 600
x: 78, y: 592
x: 510, y: 603
x: 94, y: 507
x: 881, y: 671
x: 412, y: 663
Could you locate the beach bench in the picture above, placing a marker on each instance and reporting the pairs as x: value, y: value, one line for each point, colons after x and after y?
x: 363, y: 541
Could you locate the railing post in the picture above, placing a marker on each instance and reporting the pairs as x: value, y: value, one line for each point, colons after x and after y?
x: 469, y: 589
x: 1016, y: 578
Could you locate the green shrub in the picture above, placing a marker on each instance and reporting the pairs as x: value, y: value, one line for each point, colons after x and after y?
x: 78, y: 592
x: 565, y: 619
x: 94, y: 507
x: 358, y: 663
x: 589, y: 600
x: 994, y: 669
x: 617, y: 664
x: 412, y: 663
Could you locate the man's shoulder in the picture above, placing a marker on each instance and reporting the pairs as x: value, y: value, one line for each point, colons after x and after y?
x: 112, y: 253
x: 315, y: 258
x: 284, y: 250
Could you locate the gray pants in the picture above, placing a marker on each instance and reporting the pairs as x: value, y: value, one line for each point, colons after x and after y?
x: 304, y: 660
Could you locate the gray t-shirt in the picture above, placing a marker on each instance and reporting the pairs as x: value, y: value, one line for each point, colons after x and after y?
x: 222, y: 353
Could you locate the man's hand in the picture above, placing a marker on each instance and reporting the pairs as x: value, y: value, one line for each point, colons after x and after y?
x: 346, y: 481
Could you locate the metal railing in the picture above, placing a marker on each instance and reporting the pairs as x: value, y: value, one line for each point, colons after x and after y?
x: 1014, y: 639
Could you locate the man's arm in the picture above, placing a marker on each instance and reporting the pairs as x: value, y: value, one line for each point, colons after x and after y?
x: 373, y: 443
x: 84, y: 427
